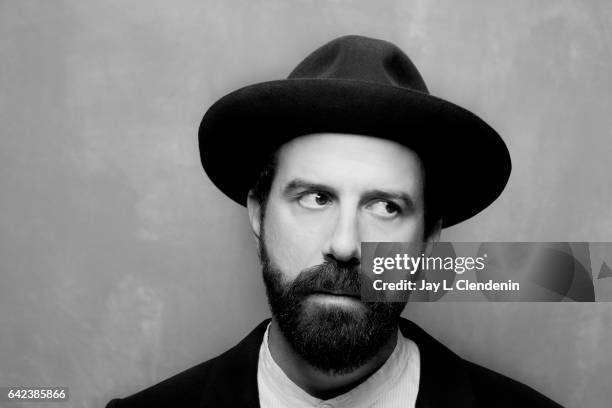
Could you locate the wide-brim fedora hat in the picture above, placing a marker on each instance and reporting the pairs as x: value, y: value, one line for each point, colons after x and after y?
x: 364, y: 86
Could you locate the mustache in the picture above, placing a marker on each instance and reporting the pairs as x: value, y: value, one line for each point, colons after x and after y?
x: 330, y: 277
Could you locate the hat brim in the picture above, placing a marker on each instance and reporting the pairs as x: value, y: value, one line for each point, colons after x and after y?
x: 465, y: 158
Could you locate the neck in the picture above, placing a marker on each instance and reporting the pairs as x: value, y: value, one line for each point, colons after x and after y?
x: 315, y: 382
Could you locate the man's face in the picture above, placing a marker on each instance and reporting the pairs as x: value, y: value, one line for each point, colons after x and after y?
x: 330, y: 193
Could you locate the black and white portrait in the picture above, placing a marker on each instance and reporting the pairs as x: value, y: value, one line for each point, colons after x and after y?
x: 187, y: 186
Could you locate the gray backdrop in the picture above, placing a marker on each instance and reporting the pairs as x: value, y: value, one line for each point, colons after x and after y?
x: 120, y: 262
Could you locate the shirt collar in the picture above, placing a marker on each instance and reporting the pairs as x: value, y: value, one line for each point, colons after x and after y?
x: 399, y: 363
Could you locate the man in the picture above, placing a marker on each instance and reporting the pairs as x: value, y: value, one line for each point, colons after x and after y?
x: 350, y: 148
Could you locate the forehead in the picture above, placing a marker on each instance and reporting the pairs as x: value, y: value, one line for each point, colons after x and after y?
x: 347, y: 160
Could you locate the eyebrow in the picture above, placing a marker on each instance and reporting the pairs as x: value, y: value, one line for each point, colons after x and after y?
x: 391, y: 195
x: 301, y: 184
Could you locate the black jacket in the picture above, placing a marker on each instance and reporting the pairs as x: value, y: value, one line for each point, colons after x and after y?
x: 230, y: 380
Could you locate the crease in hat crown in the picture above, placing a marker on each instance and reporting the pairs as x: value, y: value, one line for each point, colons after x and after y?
x: 359, y: 58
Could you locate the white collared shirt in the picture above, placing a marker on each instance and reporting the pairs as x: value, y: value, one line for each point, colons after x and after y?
x: 395, y: 384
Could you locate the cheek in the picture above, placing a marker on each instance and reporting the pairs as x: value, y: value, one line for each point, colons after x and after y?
x: 407, y: 230
x: 292, y: 245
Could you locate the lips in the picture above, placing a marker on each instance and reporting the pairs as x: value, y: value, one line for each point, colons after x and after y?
x: 337, y: 293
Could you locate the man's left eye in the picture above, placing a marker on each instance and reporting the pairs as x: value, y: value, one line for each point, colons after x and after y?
x: 384, y: 209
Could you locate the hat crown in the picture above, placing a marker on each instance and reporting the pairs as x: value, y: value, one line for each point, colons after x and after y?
x: 360, y: 58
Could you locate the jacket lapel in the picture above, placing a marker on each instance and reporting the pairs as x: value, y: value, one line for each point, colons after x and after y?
x: 232, y: 380
x: 443, y: 381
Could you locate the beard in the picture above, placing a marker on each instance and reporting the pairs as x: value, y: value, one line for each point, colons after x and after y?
x: 333, y: 338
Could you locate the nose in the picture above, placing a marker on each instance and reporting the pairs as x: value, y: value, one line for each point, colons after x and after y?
x: 344, y: 244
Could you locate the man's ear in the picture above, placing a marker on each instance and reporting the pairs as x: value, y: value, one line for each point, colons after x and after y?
x: 433, y: 237
x: 254, y: 209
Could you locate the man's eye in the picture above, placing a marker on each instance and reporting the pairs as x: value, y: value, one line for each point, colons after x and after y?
x: 384, y: 209
x: 314, y: 201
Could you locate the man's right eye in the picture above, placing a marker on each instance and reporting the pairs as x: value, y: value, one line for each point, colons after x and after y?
x: 314, y: 201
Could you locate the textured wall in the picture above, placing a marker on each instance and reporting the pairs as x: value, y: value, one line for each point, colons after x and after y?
x: 121, y: 264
